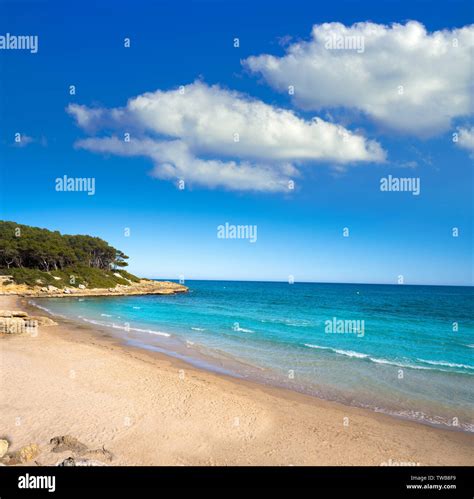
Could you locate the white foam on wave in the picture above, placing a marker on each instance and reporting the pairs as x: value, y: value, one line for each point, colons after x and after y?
x: 242, y: 330
x: 42, y: 308
x: 54, y: 314
x: 91, y: 321
x: 289, y: 322
x: 446, y: 363
x: 150, y: 331
x: 350, y: 353
x: 422, y: 417
x: 297, y: 324
x: 105, y: 315
x: 398, y: 364
x: 198, y: 329
x: 309, y: 345
x: 125, y: 328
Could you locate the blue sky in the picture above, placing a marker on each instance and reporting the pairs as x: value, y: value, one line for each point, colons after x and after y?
x: 300, y: 231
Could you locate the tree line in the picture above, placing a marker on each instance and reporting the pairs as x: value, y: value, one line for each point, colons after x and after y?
x: 22, y: 246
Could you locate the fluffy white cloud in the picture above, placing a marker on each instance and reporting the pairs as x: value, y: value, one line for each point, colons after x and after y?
x: 188, y: 132
x: 466, y: 138
x: 173, y: 160
x: 401, y: 76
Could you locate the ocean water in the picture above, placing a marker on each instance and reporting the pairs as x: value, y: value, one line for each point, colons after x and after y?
x: 393, y: 349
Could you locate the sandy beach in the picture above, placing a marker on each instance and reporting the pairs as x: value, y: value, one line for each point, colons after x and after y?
x: 149, y: 409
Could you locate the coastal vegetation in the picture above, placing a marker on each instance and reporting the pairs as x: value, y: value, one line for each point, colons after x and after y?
x: 36, y: 256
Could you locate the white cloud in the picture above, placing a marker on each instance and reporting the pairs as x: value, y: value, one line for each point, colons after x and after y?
x: 191, y: 134
x: 433, y: 69
x: 466, y: 138
x: 85, y: 117
x: 173, y: 160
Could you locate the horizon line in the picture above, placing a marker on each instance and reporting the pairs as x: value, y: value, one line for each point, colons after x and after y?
x: 312, y: 282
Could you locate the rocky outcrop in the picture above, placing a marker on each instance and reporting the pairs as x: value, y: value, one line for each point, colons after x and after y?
x: 3, y: 447
x: 74, y: 461
x: 144, y: 287
x: 22, y: 456
x: 13, y: 313
x: 17, y: 322
x: 102, y: 453
x: 69, y: 443
x: 42, y: 321
x: 78, y: 453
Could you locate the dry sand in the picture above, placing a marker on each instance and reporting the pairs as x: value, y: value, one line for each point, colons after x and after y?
x: 149, y: 409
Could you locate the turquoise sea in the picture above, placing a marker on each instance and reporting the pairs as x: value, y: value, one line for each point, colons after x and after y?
x: 403, y: 350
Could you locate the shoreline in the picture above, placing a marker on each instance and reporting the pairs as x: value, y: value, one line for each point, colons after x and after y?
x: 143, y: 287
x: 198, y: 360
x: 180, y: 414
